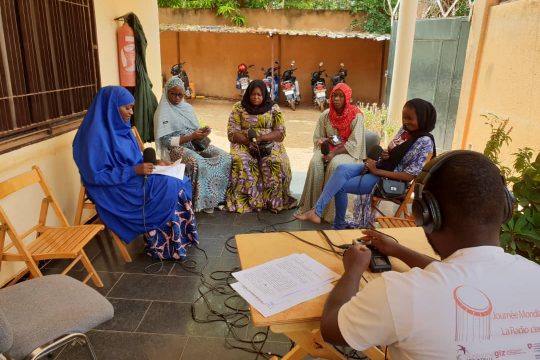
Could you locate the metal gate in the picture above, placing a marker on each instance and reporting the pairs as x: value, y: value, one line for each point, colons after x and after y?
x: 436, y: 70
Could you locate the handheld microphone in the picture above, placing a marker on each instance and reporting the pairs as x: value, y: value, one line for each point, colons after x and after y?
x: 325, y: 150
x: 149, y: 156
x: 252, y: 135
x: 373, y: 153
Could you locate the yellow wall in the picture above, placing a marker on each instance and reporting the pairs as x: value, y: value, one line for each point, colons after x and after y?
x: 502, y: 75
x: 365, y: 60
x: 54, y: 156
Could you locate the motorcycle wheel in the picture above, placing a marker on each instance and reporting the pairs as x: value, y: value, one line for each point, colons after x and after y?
x: 321, y: 106
x: 292, y: 104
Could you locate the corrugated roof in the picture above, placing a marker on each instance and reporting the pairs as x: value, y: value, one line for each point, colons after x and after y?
x: 266, y: 31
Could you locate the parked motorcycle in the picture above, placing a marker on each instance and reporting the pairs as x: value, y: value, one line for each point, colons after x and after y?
x: 178, y: 70
x: 290, y: 87
x: 318, y: 86
x: 340, y: 76
x: 242, y: 78
x: 268, y: 80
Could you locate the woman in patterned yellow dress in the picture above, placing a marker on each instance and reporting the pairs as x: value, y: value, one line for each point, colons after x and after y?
x: 258, y: 181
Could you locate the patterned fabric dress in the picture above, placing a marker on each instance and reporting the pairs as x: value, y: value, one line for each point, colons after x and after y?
x: 171, y: 240
x: 316, y: 176
x: 255, y: 185
x: 209, y: 170
x: 412, y: 163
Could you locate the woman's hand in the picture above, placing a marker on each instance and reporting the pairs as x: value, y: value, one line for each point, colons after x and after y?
x: 322, y: 141
x: 371, y: 166
x: 164, y: 163
x: 144, y: 169
x: 199, y: 134
x: 241, y: 138
x: 385, y: 155
x: 329, y: 157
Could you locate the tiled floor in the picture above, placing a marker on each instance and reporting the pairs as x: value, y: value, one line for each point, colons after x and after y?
x: 153, y: 311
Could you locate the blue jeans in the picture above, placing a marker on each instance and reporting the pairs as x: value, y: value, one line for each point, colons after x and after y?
x: 346, y: 179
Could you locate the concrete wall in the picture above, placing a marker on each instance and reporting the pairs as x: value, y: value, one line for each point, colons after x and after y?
x: 277, y: 19
x: 502, y: 75
x: 54, y: 156
x: 212, y: 59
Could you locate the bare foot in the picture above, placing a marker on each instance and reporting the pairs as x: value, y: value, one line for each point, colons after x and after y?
x: 310, y: 216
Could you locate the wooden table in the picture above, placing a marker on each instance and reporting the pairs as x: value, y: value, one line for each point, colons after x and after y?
x: 301, y: 322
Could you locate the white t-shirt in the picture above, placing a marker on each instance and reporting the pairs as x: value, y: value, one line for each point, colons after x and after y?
x: 479, y: 303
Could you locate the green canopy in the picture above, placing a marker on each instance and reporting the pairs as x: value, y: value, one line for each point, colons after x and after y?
x: 145, y: 100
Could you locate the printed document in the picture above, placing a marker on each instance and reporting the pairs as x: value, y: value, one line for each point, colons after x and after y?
x: 272, y: 281
x: 175, y: 170
x: 285, y: 303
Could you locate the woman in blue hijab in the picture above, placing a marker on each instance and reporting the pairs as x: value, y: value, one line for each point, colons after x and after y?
x: 129, y: 200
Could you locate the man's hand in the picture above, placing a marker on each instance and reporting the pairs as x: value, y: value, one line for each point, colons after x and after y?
x: 385, y: 155
x: 164, y: 163
x: 384, y: 243
x: 144, y: 169
x: 356, y: 259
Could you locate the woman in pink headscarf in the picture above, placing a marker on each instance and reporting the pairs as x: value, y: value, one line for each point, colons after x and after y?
x: 341, y: 130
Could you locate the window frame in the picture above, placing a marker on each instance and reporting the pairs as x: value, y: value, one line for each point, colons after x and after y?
x: 58, y: 98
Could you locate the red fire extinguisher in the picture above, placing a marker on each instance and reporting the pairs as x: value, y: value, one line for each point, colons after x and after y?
x: 126, y: 55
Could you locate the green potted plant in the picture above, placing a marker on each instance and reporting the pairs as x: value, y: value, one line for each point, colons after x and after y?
x: 521, y: 234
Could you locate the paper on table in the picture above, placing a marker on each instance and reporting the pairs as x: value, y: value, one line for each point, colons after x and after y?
x: 275, y: 279
x: 175, y: 170
x: 285, y: 303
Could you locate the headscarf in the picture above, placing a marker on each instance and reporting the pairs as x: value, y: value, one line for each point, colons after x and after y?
x: 104, y: 131
x: 170, y: 118
x: 426, y: 116
x: 106, y: 151
x: 266, y: 104
x: 342, y: 123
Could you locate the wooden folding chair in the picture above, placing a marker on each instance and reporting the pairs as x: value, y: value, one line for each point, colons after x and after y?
x: 394, y: 222
x: 84, y: 203
x: 63, y: 242
x: 403, y: 203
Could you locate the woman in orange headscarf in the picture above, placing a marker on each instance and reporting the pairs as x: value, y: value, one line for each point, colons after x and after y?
x: 340, y: 130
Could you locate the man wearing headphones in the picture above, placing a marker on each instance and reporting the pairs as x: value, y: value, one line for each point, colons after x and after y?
x: 477, y: 303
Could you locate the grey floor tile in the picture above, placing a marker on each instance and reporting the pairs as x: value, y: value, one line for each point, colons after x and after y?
x: 221, y: 231
x: 155, y: 287
x: 114, y: 263
x: 108, y: 279
x: 175, y: 318
x: 127, y: 314
x: 222, y: 264
x: 272, y: 336
x: 217, y: 217
x: 213, y: 349
x: 117, y: 345
x: 212, y: 247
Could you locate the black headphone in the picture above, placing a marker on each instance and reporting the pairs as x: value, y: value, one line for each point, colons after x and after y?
x: 425, y: 206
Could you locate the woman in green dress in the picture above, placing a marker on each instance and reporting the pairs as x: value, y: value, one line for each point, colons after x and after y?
x: 261, y: 171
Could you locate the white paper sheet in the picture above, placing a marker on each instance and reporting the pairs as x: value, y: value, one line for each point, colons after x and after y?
x: 284, y: 303
x: 175, y: 170
x: 278, y: 278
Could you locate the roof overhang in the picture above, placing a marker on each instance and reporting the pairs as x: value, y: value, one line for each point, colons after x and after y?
x: 270, y: 32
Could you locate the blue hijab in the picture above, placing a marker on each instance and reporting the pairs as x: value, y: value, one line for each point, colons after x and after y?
x: 106, y: 151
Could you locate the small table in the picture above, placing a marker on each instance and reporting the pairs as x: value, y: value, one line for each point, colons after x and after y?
x: 301, y: 322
